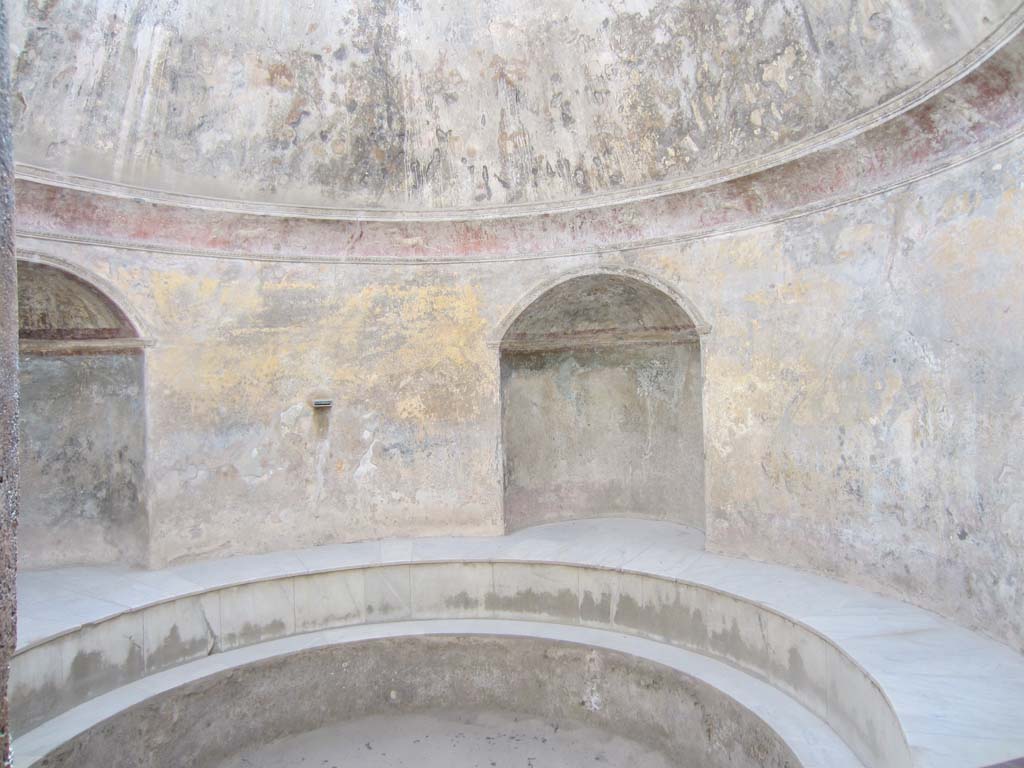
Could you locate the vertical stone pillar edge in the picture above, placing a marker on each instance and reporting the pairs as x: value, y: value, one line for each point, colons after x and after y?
x: 8, y: 393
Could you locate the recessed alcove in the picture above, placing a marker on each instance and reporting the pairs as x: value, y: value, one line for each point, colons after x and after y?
x: 82, y: 424
x: 601, y: 405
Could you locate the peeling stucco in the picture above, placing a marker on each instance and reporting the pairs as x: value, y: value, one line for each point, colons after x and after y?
x: 422, y: 105
x: 861, y: 357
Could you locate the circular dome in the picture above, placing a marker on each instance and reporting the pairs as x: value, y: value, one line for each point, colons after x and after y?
x: 449, y: 108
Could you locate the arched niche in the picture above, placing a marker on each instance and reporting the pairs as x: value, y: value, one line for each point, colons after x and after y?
x: 601, y: 405
x: 82, y: 425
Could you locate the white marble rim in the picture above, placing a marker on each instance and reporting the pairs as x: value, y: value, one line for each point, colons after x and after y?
x: 401, y: 553
x: 813, y: 742
x: 954, y: 694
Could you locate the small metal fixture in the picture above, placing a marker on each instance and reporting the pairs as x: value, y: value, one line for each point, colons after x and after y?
x: 323, y: 403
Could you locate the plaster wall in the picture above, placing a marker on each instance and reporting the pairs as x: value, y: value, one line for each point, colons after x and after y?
x: 865, y: 392
x: 428, y: 107
x: 82, y: 459
x: 862, y: 374
x: 54, y: 305
x: 240, y: 462
x: 603, y: 431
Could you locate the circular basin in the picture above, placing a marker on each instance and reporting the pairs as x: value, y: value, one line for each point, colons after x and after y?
x: 452, y: 700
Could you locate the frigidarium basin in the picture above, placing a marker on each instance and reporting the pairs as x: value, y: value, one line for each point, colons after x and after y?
x: 594, y: 641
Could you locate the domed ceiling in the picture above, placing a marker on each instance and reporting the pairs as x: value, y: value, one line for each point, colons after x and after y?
x: 462, y: 107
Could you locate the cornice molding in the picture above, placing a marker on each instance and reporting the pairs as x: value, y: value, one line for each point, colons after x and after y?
x: 25, y: 235
x: 67, y: 347
x: 557, y: 342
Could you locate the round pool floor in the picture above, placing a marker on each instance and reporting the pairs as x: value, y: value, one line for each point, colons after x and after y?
x: 451, y: 740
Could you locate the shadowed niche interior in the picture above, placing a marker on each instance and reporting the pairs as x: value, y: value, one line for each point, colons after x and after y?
x: 82, y: 425
x: 601, y: 406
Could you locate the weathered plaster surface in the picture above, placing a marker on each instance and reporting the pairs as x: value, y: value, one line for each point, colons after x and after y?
x: 609, y: 431
x: 245, y: 463
x: 601, y: 406
x: 55, y: 305
x: 861, y: 392
x: 598, y: 310
x: 862, y: 374
x: 864, y: 392
x: 82, y: 447
x: 969, y: 119
x: 82, y: 460
x: 391, y: 104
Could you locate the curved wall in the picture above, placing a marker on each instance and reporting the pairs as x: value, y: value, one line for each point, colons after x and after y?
x: 862, y: 371
x: 498, y: 106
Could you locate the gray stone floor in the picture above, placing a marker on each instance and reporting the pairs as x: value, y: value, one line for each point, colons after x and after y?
x: 451, y: 740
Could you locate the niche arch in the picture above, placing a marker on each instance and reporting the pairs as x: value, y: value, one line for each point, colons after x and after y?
x: 601, y: 403
x: 137, y: 323
x: 82, y: 427
x: 700, y: 323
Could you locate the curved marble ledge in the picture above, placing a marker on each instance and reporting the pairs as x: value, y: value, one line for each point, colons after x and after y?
x: 813, y: 743
x: 901, y: 686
